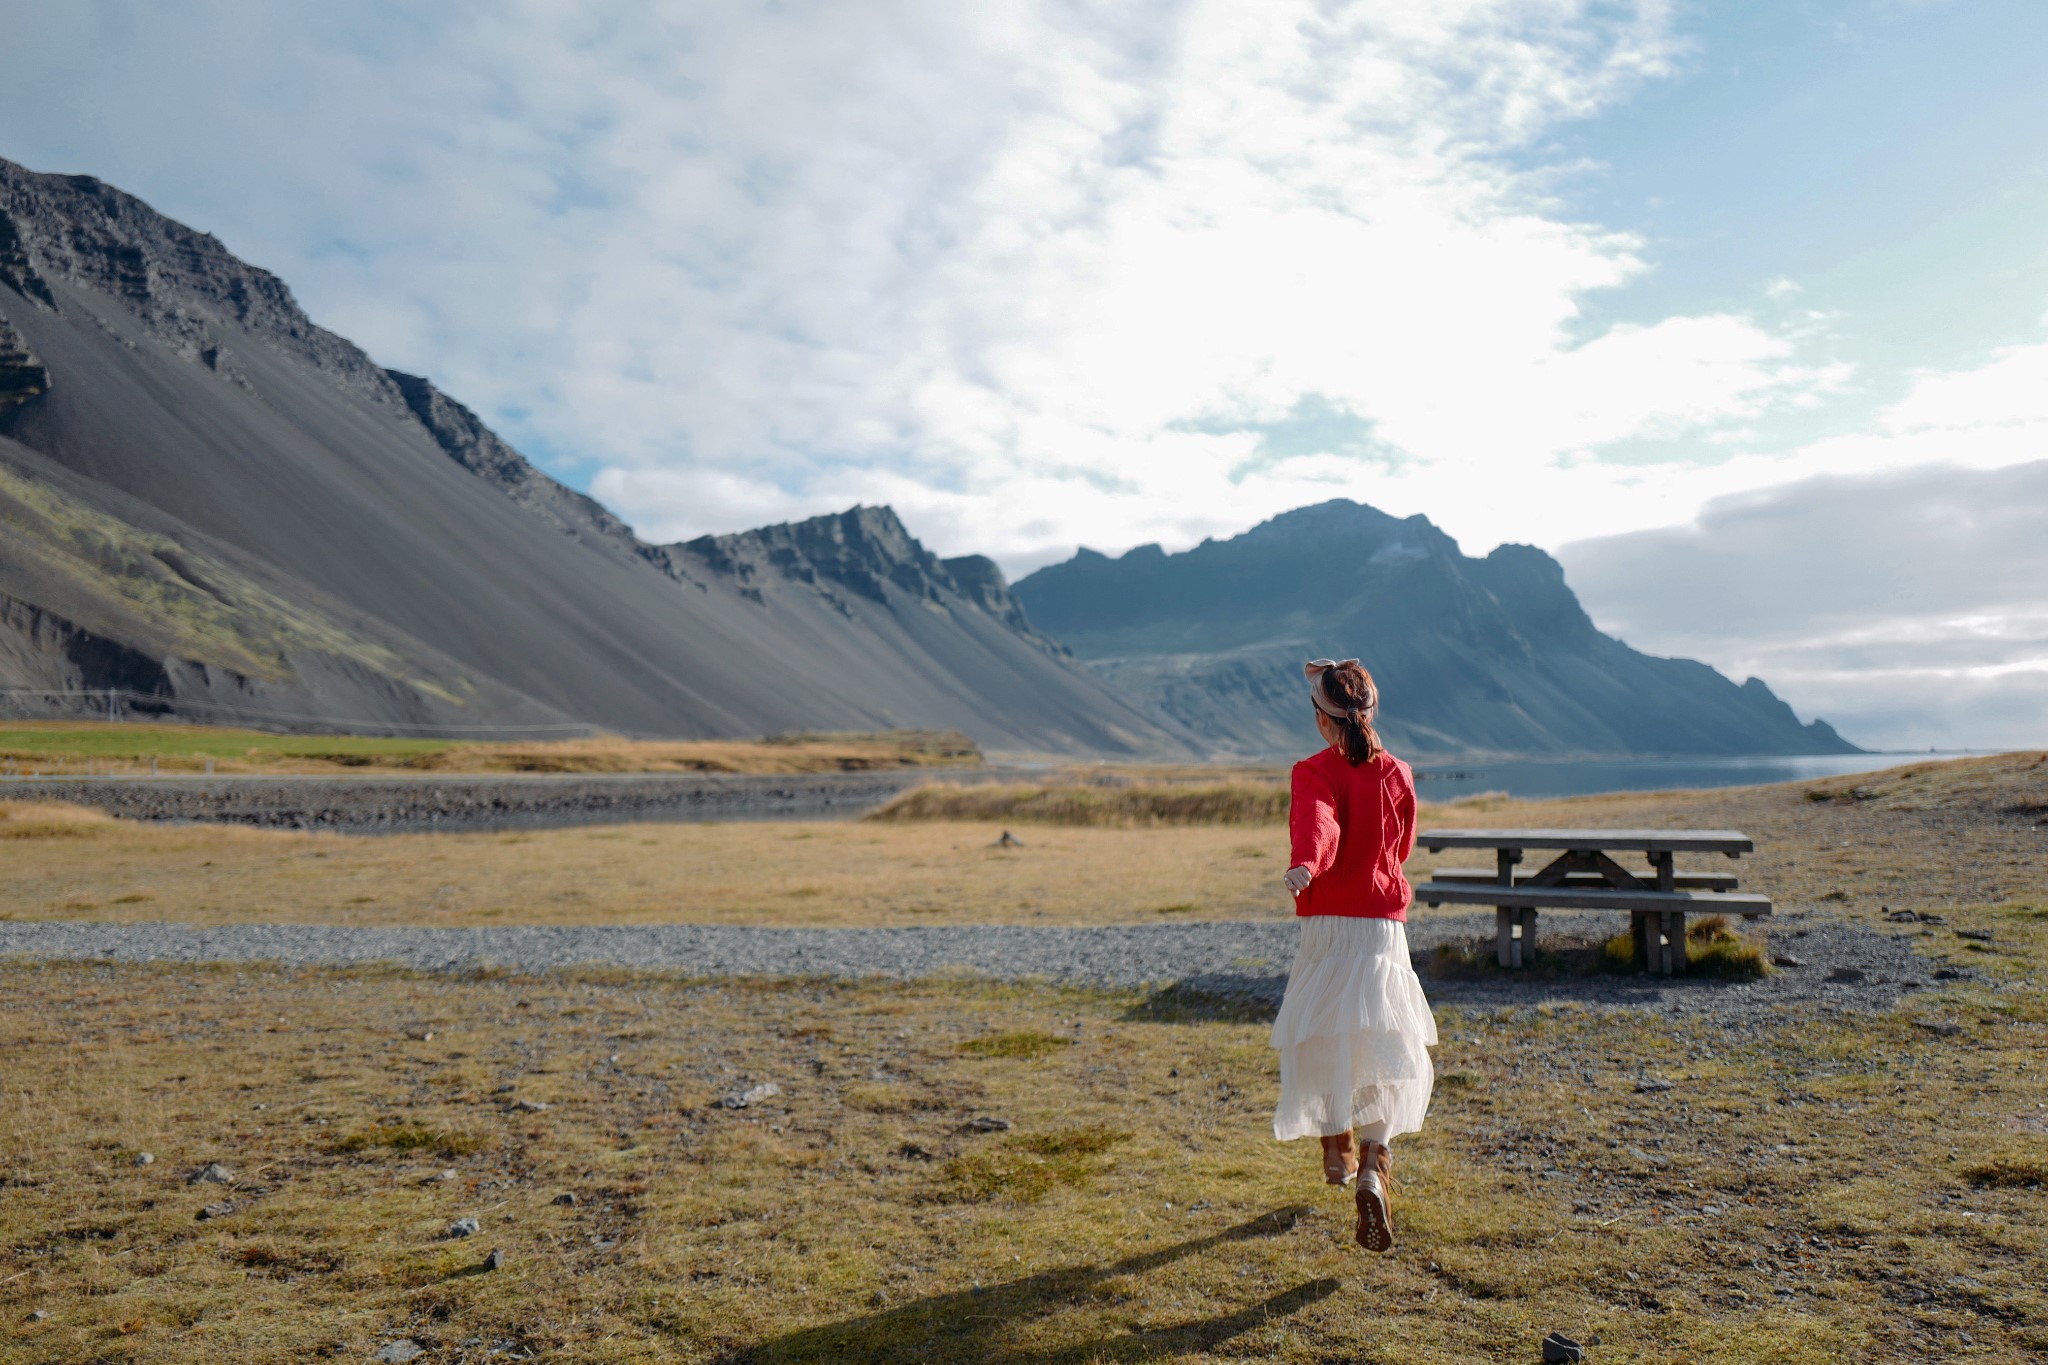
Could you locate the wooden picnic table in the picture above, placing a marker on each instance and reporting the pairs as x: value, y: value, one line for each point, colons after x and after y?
x: 1585, y: 876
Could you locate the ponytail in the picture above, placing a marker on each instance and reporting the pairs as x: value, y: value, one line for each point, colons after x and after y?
x: 1361, y: 742
x: 1345, y: 693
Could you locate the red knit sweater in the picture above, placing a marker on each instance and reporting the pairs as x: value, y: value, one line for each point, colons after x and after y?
x: 1352, y: 828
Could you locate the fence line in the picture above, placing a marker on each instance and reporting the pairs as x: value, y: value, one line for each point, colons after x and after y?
x: 117, y: 698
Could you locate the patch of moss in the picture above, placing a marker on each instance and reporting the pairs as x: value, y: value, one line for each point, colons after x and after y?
x: 1029, y: 1167
x: 1025, y: 1044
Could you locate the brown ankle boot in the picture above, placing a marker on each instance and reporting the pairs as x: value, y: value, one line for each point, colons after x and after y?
x: 1375, y: 1196
x: 1340, y: 1159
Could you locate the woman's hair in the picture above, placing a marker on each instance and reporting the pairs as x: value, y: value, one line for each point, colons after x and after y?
x: 1350, y: 689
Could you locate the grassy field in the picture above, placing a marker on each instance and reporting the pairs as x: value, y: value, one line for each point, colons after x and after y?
x: 66, y: 747
x: 1816, y: 1190
x: 1957, y: 833
x: 1816, y: 1185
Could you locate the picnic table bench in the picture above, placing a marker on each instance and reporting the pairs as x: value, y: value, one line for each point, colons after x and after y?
x: 1585, y: 876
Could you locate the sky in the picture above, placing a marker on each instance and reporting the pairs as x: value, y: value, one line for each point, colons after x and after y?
x: 1739, y: 309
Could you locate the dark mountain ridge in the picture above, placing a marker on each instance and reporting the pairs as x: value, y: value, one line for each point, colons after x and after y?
x: 1491, y: 655
x: 211, y: 499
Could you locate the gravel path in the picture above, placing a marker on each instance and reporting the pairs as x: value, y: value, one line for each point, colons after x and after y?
x: 1240, y: 958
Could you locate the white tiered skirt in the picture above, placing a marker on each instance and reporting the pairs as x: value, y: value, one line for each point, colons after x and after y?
x: 1353, y: 1033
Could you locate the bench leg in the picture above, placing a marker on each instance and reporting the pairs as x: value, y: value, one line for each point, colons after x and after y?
x: 1674, y: 933
x: 1639, y: 930
x: 1504, y: 936
x: 1528, y: 944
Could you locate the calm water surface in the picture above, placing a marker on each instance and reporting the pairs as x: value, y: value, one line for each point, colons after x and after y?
x: 1591, y: 776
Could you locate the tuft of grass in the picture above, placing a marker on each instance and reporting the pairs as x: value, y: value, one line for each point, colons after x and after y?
x: 1136, y: 806
x: 1617, y: 954
x: 407, y: 1137
x: 51, y: 820
x: 1024, y: 1044
x: 1713, y: 948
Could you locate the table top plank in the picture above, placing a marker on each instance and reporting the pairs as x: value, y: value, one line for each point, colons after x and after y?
x: 1727, y: 841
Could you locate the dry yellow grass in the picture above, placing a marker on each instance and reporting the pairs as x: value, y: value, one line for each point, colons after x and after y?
x: 77, y: 864
x: 1963, y: 836
x: 1816, y: 1190
x: 67, y: 747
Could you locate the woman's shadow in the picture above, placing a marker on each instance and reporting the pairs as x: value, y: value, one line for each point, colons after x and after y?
x: 970, y: 1325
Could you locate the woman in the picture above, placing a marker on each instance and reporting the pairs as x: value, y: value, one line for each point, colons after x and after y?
x: 1354, y: 1027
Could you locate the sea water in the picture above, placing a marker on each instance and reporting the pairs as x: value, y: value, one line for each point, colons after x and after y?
x: 1536, y: 777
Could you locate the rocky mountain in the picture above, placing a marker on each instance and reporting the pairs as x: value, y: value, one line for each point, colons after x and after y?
x: 208, y: 499
x: 1472, y: 655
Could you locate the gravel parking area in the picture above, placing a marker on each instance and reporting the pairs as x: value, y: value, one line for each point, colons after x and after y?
x: 1836, y: 963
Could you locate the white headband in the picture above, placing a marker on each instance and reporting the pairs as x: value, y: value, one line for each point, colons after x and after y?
x: 1315, y: 668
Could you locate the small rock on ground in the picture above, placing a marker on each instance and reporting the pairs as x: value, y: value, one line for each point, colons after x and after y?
x: 740, y: 1099
x: 144, y: 1158
x: 212, y: 1211
x: 495, y: 1261
x: 400, y: 1351
x: 465, y: 1227
x: 212, y: 1173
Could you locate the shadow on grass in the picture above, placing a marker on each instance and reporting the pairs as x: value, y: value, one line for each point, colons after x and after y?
x: 969, y: 1326
x: 1211, y: 1000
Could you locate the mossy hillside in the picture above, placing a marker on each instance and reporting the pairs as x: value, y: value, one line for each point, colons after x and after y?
x: 200, y: 608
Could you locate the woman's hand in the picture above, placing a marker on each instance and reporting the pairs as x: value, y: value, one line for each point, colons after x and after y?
x: 1297, y: 879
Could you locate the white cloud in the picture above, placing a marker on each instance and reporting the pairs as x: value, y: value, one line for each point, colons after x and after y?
x: 1909, y: 607
x: 1023, y: 268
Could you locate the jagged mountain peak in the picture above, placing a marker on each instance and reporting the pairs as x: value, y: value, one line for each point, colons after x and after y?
x: 862, y: 547
x: 1493, y: 654
x: 185, y: 286
x: 866, y: 550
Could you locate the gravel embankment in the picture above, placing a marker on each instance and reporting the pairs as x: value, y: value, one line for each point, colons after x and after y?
x: 1869, y: 969
x: 396, y: 805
